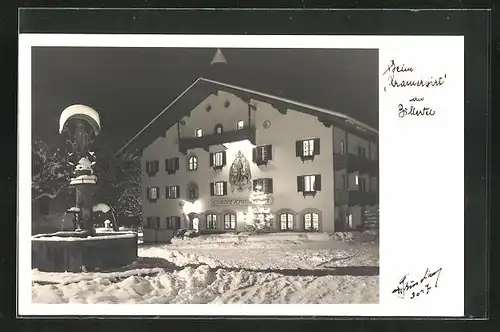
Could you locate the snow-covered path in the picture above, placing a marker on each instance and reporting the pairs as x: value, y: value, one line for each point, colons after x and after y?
x: 228, y: 269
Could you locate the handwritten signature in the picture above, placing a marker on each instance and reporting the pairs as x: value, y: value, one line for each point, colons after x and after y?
x: 393, y: 70
x: 419, y: 287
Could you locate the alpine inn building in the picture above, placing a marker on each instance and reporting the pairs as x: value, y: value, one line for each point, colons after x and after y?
x: 203, y: 154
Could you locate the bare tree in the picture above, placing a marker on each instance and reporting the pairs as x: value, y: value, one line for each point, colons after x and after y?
x: 50, y: 170
x: 120, y: 180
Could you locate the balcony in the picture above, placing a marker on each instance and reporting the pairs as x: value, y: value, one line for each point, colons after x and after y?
x: 204, y: 142
x: 354, y: 197
x: 355, y: 163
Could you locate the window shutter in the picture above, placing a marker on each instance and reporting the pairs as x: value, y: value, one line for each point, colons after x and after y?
x: 157, y: 194
x: 224, y: 188
x: 254, y: 184
x: 224, y: 158
x: 298, y: 148
x: 254, y: 154
x: 317, y: 183
x: 177, y: 191
x: 269, y: 149
x: 212, y: 189
x: 316, y: 146
x: 157, y: 166
x: 148, y: 193
x: 148, y: 168
x: 211, y: 159
x: 167, y: 220
x: 300, y: 184
x: 166, y: 165
x: 270, y: 186
x: 167, y: 192
x: 176, y: 164
x: 158, y: 222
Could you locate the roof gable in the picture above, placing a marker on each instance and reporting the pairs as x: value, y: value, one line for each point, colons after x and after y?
x: 200, y: 89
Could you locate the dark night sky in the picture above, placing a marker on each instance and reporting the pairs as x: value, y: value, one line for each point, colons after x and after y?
x: 129, y: 86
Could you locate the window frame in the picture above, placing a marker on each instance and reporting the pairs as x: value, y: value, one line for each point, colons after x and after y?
x: 198, y: 133
x: 211, y: 221
x: 192, y: 163
x: 238, y: 123
x: 311, y: 228
x: 232, y: 216
x: 286, y: 222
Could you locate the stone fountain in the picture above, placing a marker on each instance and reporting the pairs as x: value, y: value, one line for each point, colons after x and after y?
x: 83, y: 249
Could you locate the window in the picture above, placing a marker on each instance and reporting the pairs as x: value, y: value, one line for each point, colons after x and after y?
x: 218, y: 128
x: 152, y: 167
x: 218, y: 188
x: 171, y: 165
x: 262, y: 154
x: 173, y: 223
x: 344, y: 182
x: 192, y: 163
x: 356, y: 180
x: 240, y: 125
x: 311, y: 222
x: 172, y: 192
x: 286, y: 221
x: 230, y: 221
x: 218, y: 159
x: 307, y: 149
x: 211, y: 221
x: 266, y: 185
x: 309, y: 184
x: 152, y: 193
x: 152, y: 223
x: 362, y: 184
x: 192, y: 191
x: 342, y: 146
x: 198, y: 132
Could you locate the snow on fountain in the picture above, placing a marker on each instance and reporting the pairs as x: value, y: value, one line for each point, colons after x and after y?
x: 83, y: 249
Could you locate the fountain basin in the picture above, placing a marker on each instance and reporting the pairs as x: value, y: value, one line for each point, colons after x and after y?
x: 76, y: 252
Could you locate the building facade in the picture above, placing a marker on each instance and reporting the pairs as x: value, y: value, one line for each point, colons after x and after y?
x: 319, y: 168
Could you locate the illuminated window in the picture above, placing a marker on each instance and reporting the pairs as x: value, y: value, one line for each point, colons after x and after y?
x: 218, y: 159
x: 211, y: 221
x: 192, y: 163
x: 230, y: 221
x: 309, y: 184
x: 240, y: 125
x: 307, y: 149
x: 219, y: 188
x: 357, y: 180
x: 311, y: 222
x: 286, y: 221
x: 262, y: 154
x: 199, y: 132
x: 172, y: 192
x: 153, y: 193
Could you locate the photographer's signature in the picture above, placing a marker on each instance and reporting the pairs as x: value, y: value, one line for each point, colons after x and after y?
x: 415, y: 288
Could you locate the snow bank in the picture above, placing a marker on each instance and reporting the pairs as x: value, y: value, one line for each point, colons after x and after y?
x: 206, y: 285
x: 228, y: 268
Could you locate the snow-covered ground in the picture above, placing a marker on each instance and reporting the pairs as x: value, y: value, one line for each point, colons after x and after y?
x: 271, y: 268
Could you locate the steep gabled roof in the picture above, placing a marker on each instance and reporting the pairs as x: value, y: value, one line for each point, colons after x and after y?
x: 202, y: 87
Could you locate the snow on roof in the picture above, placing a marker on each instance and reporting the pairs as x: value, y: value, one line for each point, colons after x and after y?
x: 358, y: 125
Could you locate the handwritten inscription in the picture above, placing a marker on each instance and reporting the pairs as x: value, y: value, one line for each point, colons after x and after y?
x: 403, y: 76
x: 412, y: 110
x: 407, y: 287
x: 394, y: 71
